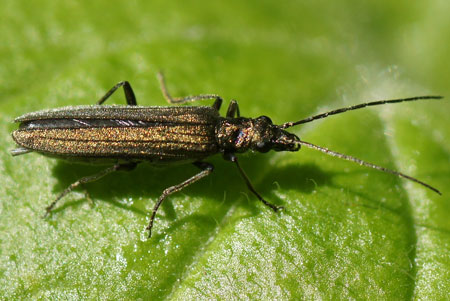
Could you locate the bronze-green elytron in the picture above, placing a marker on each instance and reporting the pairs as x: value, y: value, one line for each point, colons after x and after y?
x: 125, y: 136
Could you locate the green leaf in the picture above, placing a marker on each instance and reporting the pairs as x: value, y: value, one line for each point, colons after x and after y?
x: 346, y: 231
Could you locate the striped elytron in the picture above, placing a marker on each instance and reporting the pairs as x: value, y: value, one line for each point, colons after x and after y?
x: 126, y: 135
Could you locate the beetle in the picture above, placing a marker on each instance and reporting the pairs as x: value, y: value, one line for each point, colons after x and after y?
x: 126, y: 135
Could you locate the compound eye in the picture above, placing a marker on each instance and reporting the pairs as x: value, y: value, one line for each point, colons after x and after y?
x: 265, y: 119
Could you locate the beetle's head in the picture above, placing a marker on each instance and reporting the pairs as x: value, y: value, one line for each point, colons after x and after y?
x: 268, y: 136
x: 257, y: 134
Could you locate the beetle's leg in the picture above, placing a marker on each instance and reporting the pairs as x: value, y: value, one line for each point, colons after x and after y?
x: 206, y: 168
x: 129, y: 94
x: 88, y: 179
x: 217, y: 103
x: 180, y: 100
x: 233, y: 158
x: 233, y: 109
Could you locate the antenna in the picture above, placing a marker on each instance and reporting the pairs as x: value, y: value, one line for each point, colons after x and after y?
x: 355, y: 107
x: 361, y: 162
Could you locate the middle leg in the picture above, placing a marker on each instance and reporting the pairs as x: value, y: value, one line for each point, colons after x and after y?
x: 180, y: 100
x: 206, y: 168
x: 129, y: 94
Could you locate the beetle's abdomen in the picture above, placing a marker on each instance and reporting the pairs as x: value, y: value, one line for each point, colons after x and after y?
x: 181, y: 134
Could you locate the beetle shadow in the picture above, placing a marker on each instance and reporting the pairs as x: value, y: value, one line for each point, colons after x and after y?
x: 144, y: 182
x: 148, y: 182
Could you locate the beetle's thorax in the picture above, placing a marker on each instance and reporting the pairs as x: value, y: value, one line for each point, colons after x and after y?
x: 258, y: 134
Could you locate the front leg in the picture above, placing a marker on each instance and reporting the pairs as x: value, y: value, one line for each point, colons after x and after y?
x: 206, y: 168
x: 233, y: 158
x: 233, y: 109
